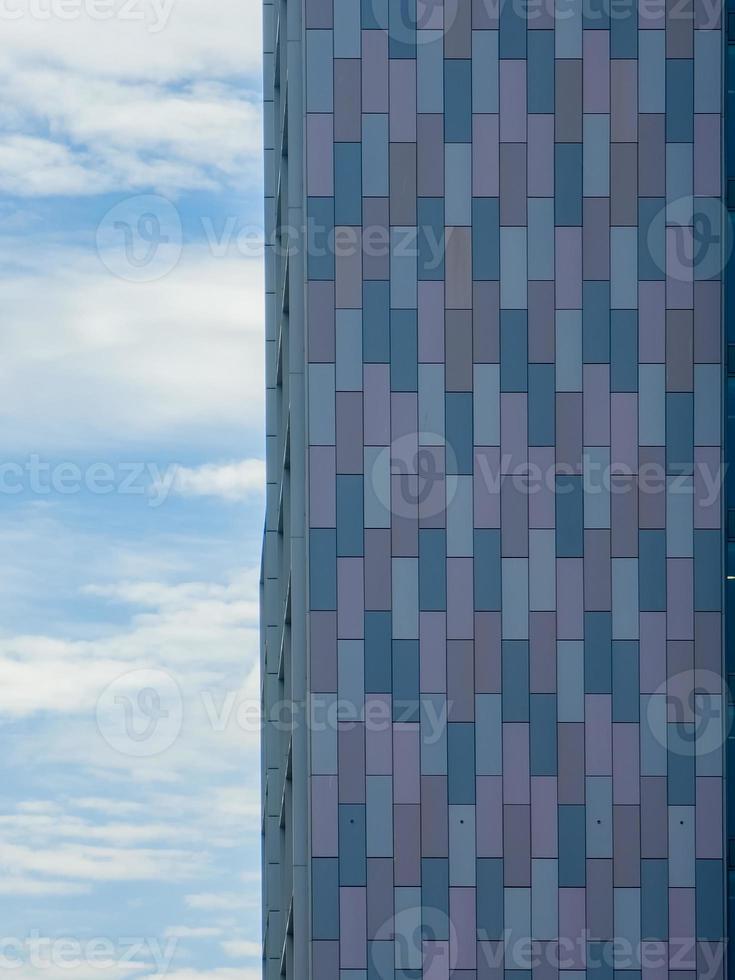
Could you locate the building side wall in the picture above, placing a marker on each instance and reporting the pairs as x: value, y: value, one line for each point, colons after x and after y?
x: 513, y: 554
x: 285, y: 764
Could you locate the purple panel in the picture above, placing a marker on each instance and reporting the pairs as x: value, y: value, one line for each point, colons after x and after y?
x: 487, y: 652
x: 433, y: 649
x: 462, y: 917
x: 406, y: 764
x: 516, y: 785
x: 544, y: 843
x: 489, y: 816
x: 352, y: 928
x: 324, y: 817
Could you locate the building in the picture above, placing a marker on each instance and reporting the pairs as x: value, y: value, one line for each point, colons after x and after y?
x: 495, y: 553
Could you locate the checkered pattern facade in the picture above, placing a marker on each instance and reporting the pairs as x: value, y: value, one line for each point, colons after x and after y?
x: 493, y: 577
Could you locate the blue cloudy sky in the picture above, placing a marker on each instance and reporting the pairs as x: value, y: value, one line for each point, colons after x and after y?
x: 130, y: 504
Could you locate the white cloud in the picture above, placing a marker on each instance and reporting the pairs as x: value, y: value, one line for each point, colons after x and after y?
x: 29, y: 166
x: 242, y: 949
x: 19, y: 885
x: 98, y: 367
x: 43, y: 855
x: 220, y: 973
x: 217, y: 39
x: 217, y: 901
x: 193, y: 932
x: 115, y: 807
x: 100, y: 864
x: 229, y: 481
x: 82, y: 971
x: 90, y: 360
x: 109, y: 136
x: 69, y: 827
x: 179, y: 628
x: 120, y: 104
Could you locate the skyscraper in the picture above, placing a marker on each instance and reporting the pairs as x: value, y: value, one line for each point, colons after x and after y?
x: 496, y: 553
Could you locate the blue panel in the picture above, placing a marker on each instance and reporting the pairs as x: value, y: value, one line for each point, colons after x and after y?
x: 569, y: 516
x: 461, y: 762
x: 349, y: 516
x: 347, y: 183
x: 541, y: 404
x: 624, y: 30
x: 624, y: 350
x: 378, y: 669
x: 568, y: 183
x: 679, y: 432
x: 375, y: 14
x: 515, y: 681
x: 513, y: 350
x: 432, y: 569
x: 319, y: 71
x: 431, y: 238
x: 435, y: 894
x: 512, y: 39
x: 458, y: 101
x: 490, y: 897
x: 596, y: 323
x: 652, y: 570
x: 596, y: 15
x: 707, y: 571
x: 487, y: 569
x: 682, y: 787
x: 541, y: 71
x: 376, y: 322
x: 352, y: 845
x: 459, y: 432
x: 679, y: 100
x: 710, y: 917
x: 375, y: 155
x: 542, y: 735
x: 323, y: 568
x: 572, y: 869
x: 485, y: 238
x: 625, y: 682
x: 325, y: 898
x: 402, y: 33
x: 406, y: 680
x: 654, y: 899
x: 320, y: 219
x: 485, y: 72
x: 598, y: 652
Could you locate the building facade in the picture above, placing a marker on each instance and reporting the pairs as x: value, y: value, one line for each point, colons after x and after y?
x: 496, y: 549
